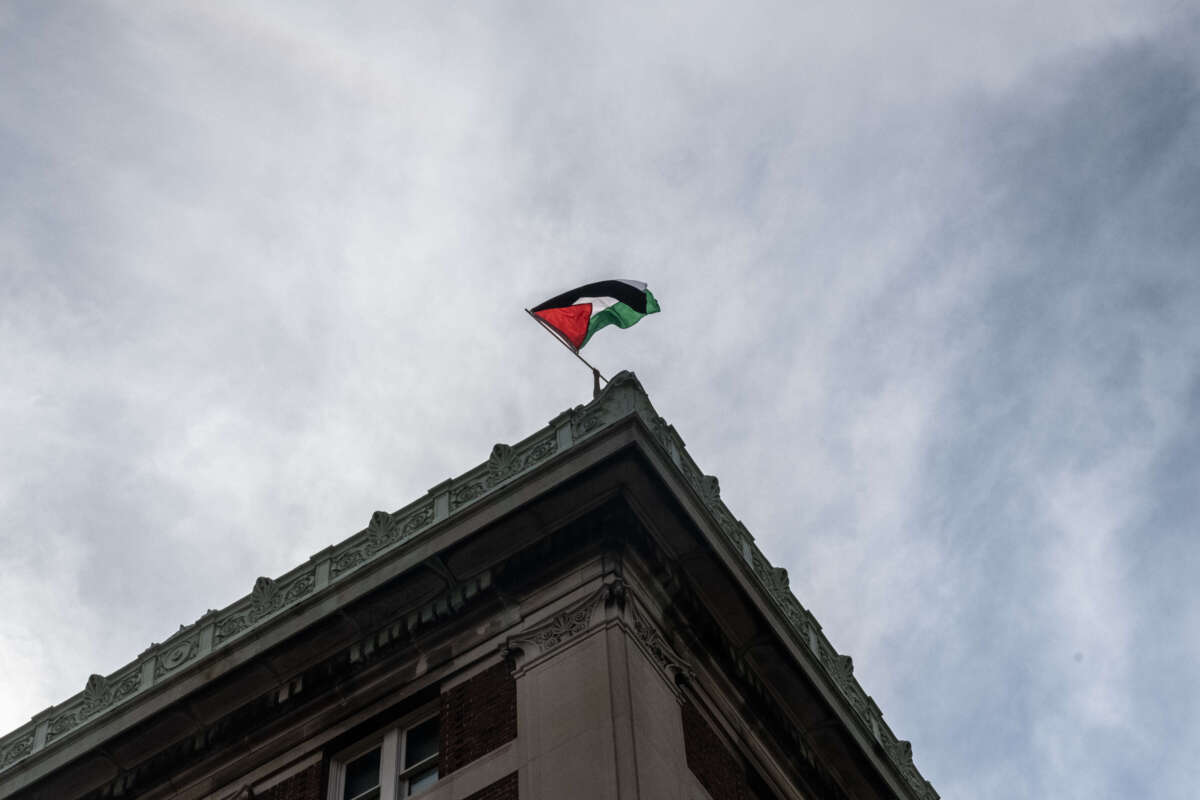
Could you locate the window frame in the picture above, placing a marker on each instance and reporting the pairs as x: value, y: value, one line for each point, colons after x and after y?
x: 405, y: 772
x: 391, y: 741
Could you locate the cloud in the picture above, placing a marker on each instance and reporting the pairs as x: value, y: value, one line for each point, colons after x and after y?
x: 928, y: 313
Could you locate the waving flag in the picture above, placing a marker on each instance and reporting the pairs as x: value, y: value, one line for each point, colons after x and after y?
x: 579, y: 313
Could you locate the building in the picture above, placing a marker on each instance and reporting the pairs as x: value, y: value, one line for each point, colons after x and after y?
x: 579, y: 617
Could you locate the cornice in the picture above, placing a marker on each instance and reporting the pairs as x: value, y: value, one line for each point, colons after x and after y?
x: 387, y: 532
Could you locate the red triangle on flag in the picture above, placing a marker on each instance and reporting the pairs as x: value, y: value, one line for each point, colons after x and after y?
x: 570, y: 321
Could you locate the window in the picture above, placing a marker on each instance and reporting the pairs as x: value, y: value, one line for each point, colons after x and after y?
x: 362, y: 777
x: 419, y: 765
x: 402, y: 762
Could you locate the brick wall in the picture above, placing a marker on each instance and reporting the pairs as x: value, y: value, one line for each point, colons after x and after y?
x: 503, y: 789
x: 710, y: 761
x: 306, y: 785
x: 478, y: 715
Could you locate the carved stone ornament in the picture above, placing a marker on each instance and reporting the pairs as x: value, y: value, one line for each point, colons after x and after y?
x: 502, y: 464
x: 267, y: 596
x: 384, y: 530
x: 381, y: 532
x: 61, y: 724
x: 97, y: 695
x: 264, y: 598
x: 584, y: 422
x: 540, y: 451
x: 656, y: 646
x: 15, y: 750
x: 562, y: 627
x: 461, y: 495
x: 300, y: 587
x: 346, y: 560
x: 230, y: 626
x: 176, y: 655
x: 662, y: 432
x: 100, y: 693
x: 420, y: 518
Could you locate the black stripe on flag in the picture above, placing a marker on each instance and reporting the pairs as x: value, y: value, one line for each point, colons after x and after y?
x: 629, y: 295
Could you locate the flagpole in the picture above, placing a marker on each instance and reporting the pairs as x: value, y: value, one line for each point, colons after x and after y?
x: 564, y: 343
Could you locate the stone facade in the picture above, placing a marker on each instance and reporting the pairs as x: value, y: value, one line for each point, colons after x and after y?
x: 503, y: 789
x: 582, y: 615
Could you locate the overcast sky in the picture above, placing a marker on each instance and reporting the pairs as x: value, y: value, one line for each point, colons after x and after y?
x: 930, y: 280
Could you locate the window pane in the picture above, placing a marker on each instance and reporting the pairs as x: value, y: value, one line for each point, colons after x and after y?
x: 362, y: 774
x: 421, y: 742
x: 422, y: 780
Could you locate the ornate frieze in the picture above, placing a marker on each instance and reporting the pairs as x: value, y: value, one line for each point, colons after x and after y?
x: 657, y: 647
x: 229, y: 627
x: 383, y: 531
x: 561, y: 627
x: 540, y: 451
x: 16, y: 749
x: 63, y: 723
x: 174, y: 655
x: 100, y: 693
x: 502, y: 465
x: 267, y: 597
x: 586, y: 420
x: 346, y: 561
x: 421, y: 518
x: 464, y: 494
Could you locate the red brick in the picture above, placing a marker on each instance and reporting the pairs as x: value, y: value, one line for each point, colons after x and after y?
x: 717, y: 769
x: 306, y: 785
x: 478, y: 716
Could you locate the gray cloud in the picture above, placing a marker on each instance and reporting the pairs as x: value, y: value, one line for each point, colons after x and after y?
x: 928, y: 284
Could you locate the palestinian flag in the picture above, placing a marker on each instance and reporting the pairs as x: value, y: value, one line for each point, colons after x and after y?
x: 579, y: 313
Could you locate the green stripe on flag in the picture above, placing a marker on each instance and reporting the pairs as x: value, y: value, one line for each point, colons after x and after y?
x: 619, y: 314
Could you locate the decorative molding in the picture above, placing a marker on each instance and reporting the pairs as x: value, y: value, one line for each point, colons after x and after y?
x: 16, y: 749
x: 540, y: 452
x: 229, y: 627
x: 63, y: 723
x: 575, y: 619
x: 266, y: 598
x: 100, y: 693
x: 465, y: 494
x: 662, y: 434
x: 660, y: 651
x: 383, y: 531
x: 173, y: 656
x: 586, y: 420
x: 502, y: 464
x: 421, y: 518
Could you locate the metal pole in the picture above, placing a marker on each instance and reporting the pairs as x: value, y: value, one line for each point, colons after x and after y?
x: 565, y: 344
